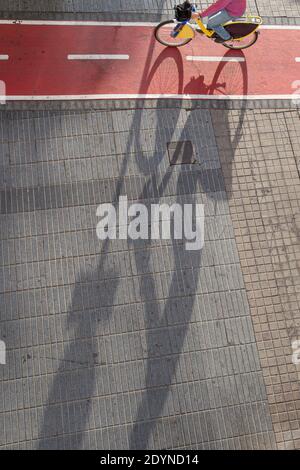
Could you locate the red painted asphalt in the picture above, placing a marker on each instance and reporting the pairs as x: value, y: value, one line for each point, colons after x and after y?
x: 38, y: 63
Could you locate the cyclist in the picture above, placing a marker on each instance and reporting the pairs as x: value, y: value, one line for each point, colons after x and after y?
x: 221, y: 12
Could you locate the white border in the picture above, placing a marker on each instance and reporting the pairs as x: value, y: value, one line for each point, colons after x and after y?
x: 114, y: 23
x: 75, y: 23
x: 156, y: 96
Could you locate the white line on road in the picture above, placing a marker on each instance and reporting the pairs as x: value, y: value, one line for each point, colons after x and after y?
x: 98, y: 57
x: 75, y: 23
x: 150, y: 96
x: 4, y: 57
x: 214, y: 59
x: 115, y: 23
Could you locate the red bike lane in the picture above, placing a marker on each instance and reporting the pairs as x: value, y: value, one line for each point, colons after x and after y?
x: 43, y: 60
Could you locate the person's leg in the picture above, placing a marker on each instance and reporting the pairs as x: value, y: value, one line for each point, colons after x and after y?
x: 216, y: 21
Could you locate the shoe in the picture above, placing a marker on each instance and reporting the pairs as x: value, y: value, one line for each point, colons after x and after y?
x: 220, y: 40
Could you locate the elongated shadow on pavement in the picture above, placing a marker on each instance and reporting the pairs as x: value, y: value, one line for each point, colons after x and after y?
x: 69, y: 401
x: 183, y: 282
x: 160, y: 370
x: 228, y: 135
x: 134, y: 145
x: 64, y: 424
x: 78, y: 367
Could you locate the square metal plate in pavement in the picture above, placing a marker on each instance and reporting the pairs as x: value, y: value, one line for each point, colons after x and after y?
x: 181, y: 152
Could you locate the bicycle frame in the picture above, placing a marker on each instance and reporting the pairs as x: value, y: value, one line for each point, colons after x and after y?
x: 190, y: 33
x: 203, y: 28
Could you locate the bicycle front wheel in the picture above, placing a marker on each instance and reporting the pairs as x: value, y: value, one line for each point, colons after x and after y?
x: 163, y: 32
x: 242, y: 43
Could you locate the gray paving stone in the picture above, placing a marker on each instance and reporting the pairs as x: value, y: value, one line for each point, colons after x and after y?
x: 264, y: 7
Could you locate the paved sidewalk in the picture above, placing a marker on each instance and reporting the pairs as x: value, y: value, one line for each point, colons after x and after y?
x: 123, y: 344
x: 276, y: 8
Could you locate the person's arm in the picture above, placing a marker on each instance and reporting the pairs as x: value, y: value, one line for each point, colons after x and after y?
x: 217, y: 6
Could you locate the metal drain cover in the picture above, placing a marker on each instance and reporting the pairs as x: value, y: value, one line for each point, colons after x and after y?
x: 181, y: 152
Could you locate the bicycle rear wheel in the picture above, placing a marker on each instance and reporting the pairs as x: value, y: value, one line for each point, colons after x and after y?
x: 242, y: 43
x: 244, y: 34
x: 163, y: 32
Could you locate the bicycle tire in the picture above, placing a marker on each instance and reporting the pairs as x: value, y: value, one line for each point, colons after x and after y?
x: 165, y: 43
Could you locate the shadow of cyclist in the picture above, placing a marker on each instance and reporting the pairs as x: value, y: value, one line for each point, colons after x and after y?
x: 229, y: 132
x: 230, y: 81
x: 69, y: 402
x: 197, y: 83
x: 165, y: 351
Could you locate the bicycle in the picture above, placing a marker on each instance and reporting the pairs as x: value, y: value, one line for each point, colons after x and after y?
x: 244, y: 30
